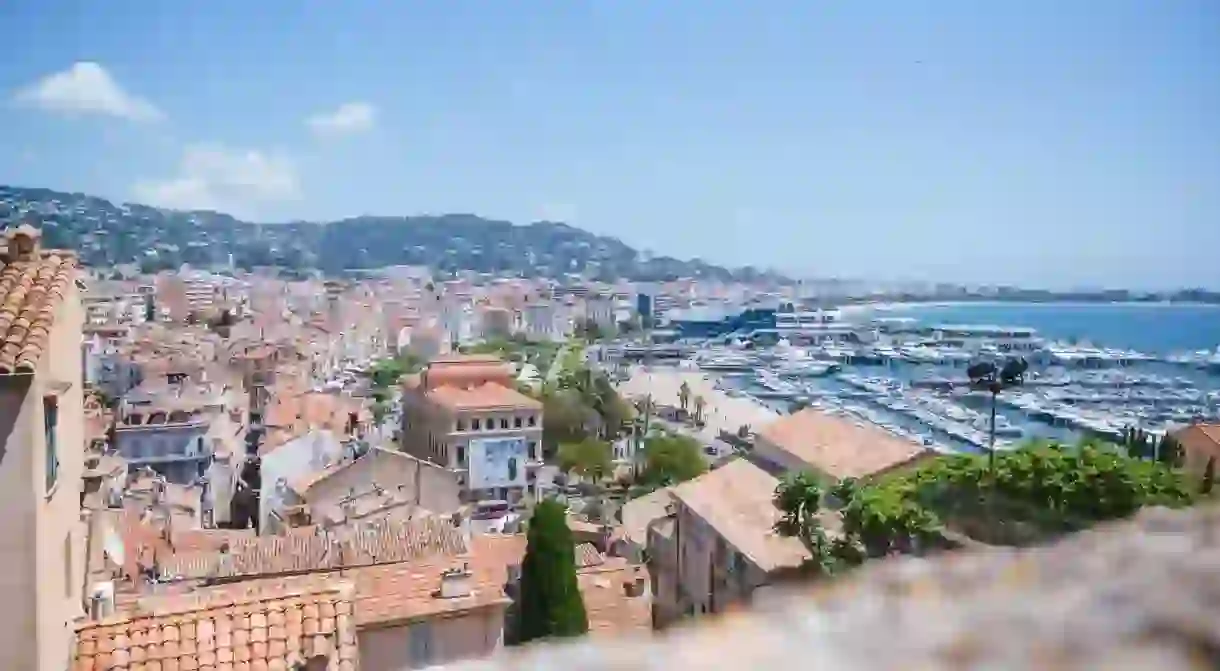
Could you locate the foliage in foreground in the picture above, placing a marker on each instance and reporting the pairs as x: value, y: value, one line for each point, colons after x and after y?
x: 550, y: 602
x: 1035, y: 493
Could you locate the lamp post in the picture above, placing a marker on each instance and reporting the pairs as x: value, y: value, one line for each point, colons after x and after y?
x: 986, y: 376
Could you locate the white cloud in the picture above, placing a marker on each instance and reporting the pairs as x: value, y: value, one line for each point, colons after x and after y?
x: 86, y: 88
x: 213, y: 177
x: 353, y: 117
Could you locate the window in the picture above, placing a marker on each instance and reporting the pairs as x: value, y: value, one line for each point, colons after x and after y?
x: 533, y: 420
x: 461, y: 425
x: 533, y: 451
x: 461, y: 455
x: 50, y: 421
x: 503, y: 422
x: 68, y: 573
x: 474, y: 424
x: 516, y: 422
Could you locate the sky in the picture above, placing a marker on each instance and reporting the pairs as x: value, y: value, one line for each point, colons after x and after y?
x: 1037, y: 142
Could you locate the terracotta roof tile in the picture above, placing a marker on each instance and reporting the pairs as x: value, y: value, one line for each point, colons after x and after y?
x: 587, y: 556
x: 838, y: 447
x: 264, y: 627
x: 32, y: 283
x: 361, y: 544
x: 611, y: 610
x: 736, y: 501
x: 484, y: 396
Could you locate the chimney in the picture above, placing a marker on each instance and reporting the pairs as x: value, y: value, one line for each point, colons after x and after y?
x: 634, y: 586
x: 24, y: 244
x: 101, y: 601
x: 456, y: 583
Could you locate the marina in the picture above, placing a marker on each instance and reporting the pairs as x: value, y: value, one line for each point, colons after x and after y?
x: 910, y: 379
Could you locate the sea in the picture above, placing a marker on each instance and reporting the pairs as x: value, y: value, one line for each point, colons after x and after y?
x: 1150, y: 328
x: 1153, y: 328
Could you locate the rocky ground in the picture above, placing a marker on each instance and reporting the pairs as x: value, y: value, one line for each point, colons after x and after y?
x: 1140, y: 595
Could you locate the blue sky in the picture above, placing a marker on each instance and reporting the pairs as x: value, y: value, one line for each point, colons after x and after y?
x: 1038, y: 142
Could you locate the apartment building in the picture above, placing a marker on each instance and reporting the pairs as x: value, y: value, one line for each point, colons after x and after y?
x: 42, y: 453
x: 108, y: 364
x: 175, y: 426
x: 465, y: 413
x: 113, y: 303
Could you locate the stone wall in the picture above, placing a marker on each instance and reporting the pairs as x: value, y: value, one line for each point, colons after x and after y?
x: 1140, y: 595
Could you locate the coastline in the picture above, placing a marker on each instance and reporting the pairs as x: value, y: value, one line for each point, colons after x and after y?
x: 899, y: 306
x: 722, y: 412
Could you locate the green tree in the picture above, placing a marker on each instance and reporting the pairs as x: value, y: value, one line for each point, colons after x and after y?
x: 843, y: 491
x: 550, y: 602
x: 1169, y: 451
x: 669, y: 459
x: 799, y: 499
x: 564, y: 417
x: 589, y: 458
x: 385, y: 373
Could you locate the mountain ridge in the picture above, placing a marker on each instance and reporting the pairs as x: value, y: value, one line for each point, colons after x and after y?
x: 106, y: 234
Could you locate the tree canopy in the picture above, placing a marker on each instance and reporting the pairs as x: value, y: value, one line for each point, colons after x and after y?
x: 386, y: 372
x: 669, y: 459
x: 550, y: 601
x: 1036, y: 492
x: 589, y: 458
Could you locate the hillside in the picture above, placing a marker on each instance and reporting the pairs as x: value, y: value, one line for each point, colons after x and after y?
x: 107, y: 234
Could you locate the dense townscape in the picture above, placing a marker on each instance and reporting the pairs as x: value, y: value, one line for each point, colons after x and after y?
x: 268, y: 464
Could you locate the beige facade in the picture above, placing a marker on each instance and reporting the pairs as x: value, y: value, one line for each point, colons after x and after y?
x: 42, y: 437
x: 439, y: 639
x: 456, y: 402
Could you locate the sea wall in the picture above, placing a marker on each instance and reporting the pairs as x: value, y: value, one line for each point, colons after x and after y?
x: 1143, y: 594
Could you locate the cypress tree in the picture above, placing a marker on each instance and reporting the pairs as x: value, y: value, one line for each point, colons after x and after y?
x: 550, y: 602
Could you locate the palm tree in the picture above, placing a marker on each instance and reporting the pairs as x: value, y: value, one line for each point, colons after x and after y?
x: 684, y: 396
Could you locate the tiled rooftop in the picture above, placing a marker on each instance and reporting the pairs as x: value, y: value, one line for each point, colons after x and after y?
x: 487, y: 395
x: 227, y: 630
x: 639, y: 512
x: 838, y: 447
x: 32, y: 283
x: 363, y: 544
x: 736, y: 501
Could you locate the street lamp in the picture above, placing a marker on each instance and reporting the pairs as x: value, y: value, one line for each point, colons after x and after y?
x: 985, y: 376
